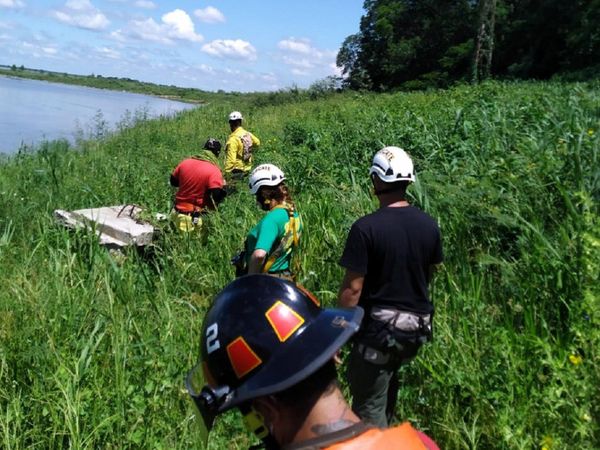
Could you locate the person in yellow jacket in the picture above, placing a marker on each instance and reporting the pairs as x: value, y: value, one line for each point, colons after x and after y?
x: 239, y: 147
x: 267, y: 348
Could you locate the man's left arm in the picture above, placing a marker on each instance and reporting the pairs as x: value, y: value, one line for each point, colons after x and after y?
x: 355, y: 260
x: 436, y: 259
x: 350, y: 289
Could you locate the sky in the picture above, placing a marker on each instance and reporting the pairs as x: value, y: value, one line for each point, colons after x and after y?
x: 242, y: 45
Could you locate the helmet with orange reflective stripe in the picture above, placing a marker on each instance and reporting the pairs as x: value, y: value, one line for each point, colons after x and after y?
x: 261, y: 336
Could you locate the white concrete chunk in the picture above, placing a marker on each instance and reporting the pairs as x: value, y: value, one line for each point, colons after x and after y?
x: 115, y: 225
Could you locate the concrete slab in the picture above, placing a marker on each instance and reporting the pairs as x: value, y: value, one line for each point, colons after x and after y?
x: 115, y: 225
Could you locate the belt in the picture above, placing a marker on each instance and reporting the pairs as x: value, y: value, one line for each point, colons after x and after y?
x: 190, y: 208
x: 285, y: 274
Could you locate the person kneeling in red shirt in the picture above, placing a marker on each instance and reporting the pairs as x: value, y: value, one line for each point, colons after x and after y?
x: 200, y: 185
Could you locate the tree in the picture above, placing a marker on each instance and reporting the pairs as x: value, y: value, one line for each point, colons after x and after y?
x: 537, y: 39
x: 349, y: 59
x: 401, y: 41
x: 484, y: 48
x: 423, y: 43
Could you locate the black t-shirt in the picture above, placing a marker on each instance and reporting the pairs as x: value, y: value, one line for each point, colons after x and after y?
x: 394, y: 248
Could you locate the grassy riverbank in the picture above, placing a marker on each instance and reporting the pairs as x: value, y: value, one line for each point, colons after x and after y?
x: 94, y: 347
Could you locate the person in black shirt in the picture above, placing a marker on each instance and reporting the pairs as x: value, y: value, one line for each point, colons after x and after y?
x: 389, y: 257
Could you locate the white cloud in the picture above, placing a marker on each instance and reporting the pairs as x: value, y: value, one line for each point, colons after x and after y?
x: 205, y: 68
x: 233, y: 49
x: 147, y: 4
x: 336, y: 70
x: 305, y: 60
x: 82, y: 14
x: 109, y: 53
x: 210, y: 14
x: 269, y: 77
x: 36, y: 50
x: 175, y: 25
x: 298, y: 62
x: 11, y: 3
x: 49, y: 50
x: 118, y: 35
x: 300, y: 72
x: 78, y: 5
x: 181, y: 26
x: 147, y: 30
x: 296, y: 46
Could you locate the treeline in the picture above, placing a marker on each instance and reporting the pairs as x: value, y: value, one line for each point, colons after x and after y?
x: 415, y: 44
x: 319, y: 89
x: 113, y: 83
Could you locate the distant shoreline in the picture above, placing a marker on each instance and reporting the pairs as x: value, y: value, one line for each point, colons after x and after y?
x: 186, y: 95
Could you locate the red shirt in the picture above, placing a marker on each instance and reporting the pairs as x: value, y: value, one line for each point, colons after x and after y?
x: 195, y: 178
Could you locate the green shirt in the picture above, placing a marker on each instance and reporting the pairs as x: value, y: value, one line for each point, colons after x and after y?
x: 269, y: 232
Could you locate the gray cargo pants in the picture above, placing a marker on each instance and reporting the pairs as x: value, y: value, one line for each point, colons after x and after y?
x: 373, y: 380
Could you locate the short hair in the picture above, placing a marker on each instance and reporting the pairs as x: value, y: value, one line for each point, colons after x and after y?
x: 303, y: 395
x: 398, y: 187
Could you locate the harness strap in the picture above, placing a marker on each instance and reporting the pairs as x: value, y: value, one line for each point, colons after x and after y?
x: 331, y: 438
x: 281, y: 247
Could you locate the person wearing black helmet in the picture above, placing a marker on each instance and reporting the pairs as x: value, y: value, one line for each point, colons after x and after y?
x: 267, y: 348
x: 200, y: 186
x: 389, y: 258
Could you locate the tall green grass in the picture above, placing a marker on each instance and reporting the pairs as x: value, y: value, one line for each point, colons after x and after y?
x: 94, y: 346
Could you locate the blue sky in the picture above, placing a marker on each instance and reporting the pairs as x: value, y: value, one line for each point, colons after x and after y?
x: 241, y: 45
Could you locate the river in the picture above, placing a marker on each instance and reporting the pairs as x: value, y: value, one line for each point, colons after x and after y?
x: 32, y: 111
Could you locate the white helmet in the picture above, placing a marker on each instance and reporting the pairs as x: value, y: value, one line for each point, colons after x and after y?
x: 392, y: 164
x: 265, y: 175
x: 235, y: 115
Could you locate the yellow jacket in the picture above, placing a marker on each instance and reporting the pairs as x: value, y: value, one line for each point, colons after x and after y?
x: 234, y: 151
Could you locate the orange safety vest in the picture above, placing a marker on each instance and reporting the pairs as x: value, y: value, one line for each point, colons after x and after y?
x: 401, y: 437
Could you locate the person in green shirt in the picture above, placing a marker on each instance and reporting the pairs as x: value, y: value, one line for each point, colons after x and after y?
x: 270, y: 244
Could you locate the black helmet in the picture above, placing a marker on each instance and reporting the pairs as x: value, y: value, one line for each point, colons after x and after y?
x: 213, y: 145
x: 261, y: 336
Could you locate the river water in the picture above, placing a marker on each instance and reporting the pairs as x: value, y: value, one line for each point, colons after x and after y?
x: 32, y: 111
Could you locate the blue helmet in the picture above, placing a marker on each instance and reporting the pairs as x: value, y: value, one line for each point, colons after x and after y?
x: 261, y: 336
